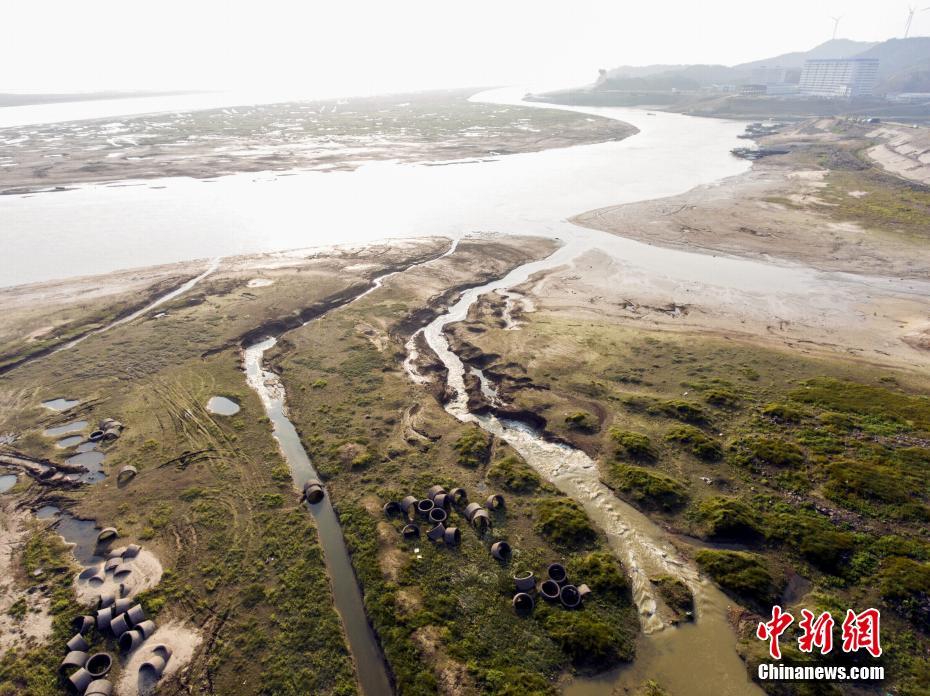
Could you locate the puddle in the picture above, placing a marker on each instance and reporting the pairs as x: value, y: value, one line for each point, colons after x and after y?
x: 7, y: 481
x: 61, y: 404
x: 260, y: 283
x: 82, y: 534
x: 70, y: 441
x: 92, y: 459
x: 72, y: 427
x: 222, y: 406
x: 86, y: 447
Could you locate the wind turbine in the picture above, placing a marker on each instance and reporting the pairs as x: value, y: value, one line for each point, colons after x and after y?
x: 911, y: 11
x: 836, y: 25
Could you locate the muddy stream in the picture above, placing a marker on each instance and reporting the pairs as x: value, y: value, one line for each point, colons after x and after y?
x: 694, y: 659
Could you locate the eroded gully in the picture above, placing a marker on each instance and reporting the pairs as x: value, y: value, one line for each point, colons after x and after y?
x: 347, y: 597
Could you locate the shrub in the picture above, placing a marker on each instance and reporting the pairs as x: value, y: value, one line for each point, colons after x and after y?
x: 586, y: 640
x: 814, y: 537
x: 514, y: 474
x: 905, y: 584
x: 564, y: 522
x: 682, y: 410
x: 699, y: 444
x: 721, y: 398
x: 850, y: 481
x: 866, y: 400
x: 473, y: 447
x: 728, y: 518
x: 742, y: 574
x: 582, y: 421
x: 783, y: 413
x: 648, y: 488
x: 602, y: 572
x: 772, y: 451
x: 633, y: 445
x: 676, y: 594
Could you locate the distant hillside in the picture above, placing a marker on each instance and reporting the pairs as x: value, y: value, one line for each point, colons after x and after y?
x: 904, y: 64
x: 837, y: 48
x: 904, y: 67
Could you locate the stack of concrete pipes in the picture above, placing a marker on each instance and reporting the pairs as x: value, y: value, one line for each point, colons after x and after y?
x: 108, y: 430
x: 555, y: 588
x: 434, y: 509
x: 116, y: 616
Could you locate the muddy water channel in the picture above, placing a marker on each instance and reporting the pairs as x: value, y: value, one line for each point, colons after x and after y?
x: 694, y: 659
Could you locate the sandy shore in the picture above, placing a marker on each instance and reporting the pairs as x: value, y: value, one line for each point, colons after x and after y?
x: 904, y: 151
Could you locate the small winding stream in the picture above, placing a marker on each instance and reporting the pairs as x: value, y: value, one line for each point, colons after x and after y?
x: 696, y: 659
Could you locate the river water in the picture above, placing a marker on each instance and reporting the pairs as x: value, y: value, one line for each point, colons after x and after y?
x: 101, y: 228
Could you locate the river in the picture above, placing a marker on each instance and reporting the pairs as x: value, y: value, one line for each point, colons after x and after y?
x: 101, y: 228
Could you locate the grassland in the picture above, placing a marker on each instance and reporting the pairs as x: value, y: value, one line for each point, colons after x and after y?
x: 801, y: 466
x: 444, y: 615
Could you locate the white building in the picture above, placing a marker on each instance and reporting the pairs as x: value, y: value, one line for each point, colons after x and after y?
x: 851, y: 77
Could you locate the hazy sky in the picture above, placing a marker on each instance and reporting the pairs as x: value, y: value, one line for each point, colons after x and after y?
x: 349, y: 47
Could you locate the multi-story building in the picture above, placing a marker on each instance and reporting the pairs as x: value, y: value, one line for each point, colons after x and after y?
x: 849, y: 77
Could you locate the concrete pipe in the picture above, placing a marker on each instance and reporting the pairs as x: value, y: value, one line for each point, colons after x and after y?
x: 130, y: 640
x: 99, y: 687
x: 549, y: 589
x: 119, y: 625
x: 525, y: 581
x: 501, y: 550
x: 116, y: 553
x: 127, y: 474
x: 77, y: 643
x: 96, y: 436
x: 97, y: 578
x: 154, y: 666
x: 444, y: 501
x: 135, y: 614
x: 147, y: 628
x: 80, y: 680
x: 107, y: 534
x: 89, y: 572
x: 570, y: 597
x: 434, y: 491
x: 411, y: 531
x: 437, y: 515
x: 409, y: 506
x: 162, y: 650
x: 112, y: 564
x: 313, y: 491
x: 452, y: 536
x: 436, y: 533
x: 523, y: 604
x: 481, y: 520
x: 122, y: 590
x: 104, y: 617
x: 99, y: 664
x: 122, y: 570
x: 556, y: 571
x: 459, y: 496
x: 82, y: 624
x: 494, y: 502
x: 424, y: 507
x: 73, y: 660
x: 471, y: 509
x: 106, y: 599
x: 121, y: 605
x: 111, y: 434
x: 583, y: 591
x: 131, y: 551
x: 392, y: 508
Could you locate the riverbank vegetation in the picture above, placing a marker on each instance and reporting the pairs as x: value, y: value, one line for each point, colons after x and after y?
x: 805, y: 467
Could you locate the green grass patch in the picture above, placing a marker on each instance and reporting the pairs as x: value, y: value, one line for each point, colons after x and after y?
x: 635, y: 446
x: 696, y: 442
x: 563, y: 522
x: 743, y: 575
x: 648, y: 488
x: 514, y: 474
